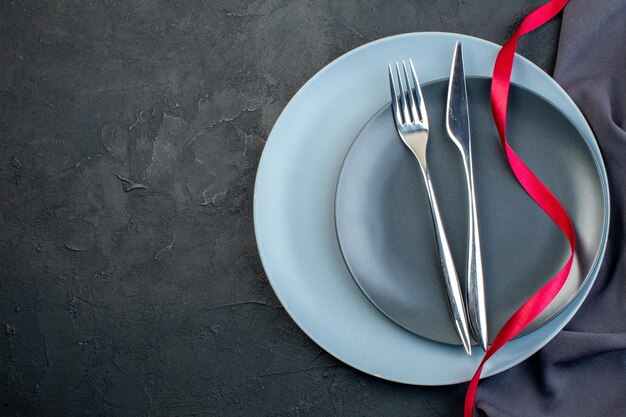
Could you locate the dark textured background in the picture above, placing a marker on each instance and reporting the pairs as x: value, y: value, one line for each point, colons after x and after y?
x: 130, y: 133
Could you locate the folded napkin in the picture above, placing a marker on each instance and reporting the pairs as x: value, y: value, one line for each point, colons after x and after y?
x: 582, y: 371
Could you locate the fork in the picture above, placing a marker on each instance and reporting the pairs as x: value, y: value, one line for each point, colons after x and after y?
x: 409, y: 113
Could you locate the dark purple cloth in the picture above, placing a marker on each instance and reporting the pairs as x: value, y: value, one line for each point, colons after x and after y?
x: 582, y: 371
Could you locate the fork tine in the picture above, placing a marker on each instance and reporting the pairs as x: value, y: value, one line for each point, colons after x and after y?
x: 405, y: 107
x: 419, y: 96
x: 412, y: 107
x: 394, y: 97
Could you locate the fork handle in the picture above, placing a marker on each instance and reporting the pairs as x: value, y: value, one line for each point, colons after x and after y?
x: 450, y: 276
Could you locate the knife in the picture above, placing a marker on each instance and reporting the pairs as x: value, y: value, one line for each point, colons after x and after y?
x: 458, y: 127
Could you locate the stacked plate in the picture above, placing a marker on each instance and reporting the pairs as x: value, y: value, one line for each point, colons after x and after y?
x: 343, y: 225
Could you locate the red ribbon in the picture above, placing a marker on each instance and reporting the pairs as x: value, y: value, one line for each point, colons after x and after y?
x: 533, y: 186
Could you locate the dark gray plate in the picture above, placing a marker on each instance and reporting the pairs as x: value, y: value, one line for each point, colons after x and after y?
x: 385, y: 229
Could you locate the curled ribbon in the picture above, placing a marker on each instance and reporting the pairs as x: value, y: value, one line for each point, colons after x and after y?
x: 533, y: 186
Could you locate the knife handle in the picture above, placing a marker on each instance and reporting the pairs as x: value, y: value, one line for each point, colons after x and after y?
x: 476, y: 304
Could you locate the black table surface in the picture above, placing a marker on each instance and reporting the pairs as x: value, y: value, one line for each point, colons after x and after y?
x: 130, y: 134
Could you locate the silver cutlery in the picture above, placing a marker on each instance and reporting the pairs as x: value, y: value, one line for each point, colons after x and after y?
x: 409, y: 112
x: 458, y: 126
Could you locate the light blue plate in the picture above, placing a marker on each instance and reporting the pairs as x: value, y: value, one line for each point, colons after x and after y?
x: 294, y: 210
